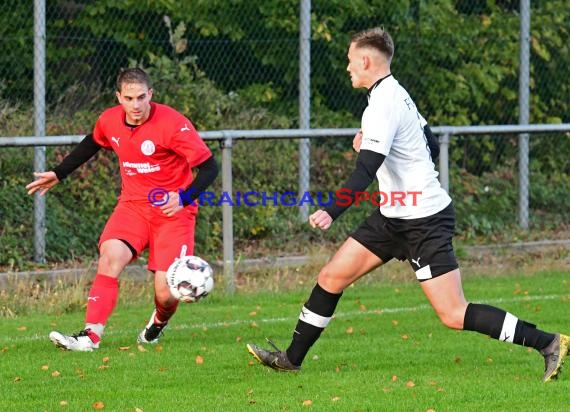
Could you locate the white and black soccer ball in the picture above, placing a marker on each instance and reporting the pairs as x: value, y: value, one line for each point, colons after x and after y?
x: 190, y: 278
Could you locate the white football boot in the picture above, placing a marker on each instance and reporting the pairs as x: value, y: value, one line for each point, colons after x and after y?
x: 84, y: 341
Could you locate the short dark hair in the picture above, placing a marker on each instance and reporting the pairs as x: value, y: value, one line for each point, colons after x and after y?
x: 376, y: 38
x: 133, y: 75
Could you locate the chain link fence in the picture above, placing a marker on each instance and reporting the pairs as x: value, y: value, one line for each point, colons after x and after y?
x: 238, y: 65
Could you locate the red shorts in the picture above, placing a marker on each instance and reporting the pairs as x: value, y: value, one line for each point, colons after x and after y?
x: 143, y: 225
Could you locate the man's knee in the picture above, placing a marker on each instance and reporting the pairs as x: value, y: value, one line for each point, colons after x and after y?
x: 331, y: 280
x: 113, y: 257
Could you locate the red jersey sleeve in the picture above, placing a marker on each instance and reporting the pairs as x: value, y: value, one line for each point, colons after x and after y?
x: 99, y: 134
x: 187, y: 143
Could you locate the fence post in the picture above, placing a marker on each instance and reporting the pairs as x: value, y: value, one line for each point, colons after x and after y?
x: 304, y: 102
x: 39, y: 124
x: 524, y: 76
x: 227, y: 213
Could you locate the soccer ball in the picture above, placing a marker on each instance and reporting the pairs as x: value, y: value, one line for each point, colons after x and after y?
x: 190, y: 278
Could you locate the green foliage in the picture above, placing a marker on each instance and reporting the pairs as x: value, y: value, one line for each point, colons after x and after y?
x: 236, y: 68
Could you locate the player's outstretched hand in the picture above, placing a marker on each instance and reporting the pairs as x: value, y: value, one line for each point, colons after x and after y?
x: 44, y: 182
x: 320, y: 219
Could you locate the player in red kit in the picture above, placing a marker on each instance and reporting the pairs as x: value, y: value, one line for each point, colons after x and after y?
x: 157, y: 148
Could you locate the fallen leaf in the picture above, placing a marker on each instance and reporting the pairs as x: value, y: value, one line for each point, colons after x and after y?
x: 349, y: 330
x: 103, y: 367
x: 22, y: 328
x: 98, y: 405
x: 106, y: 359
x: 63, y: 403
x: 124, y: 347
x: 45, y: 367
x: 410, y: 384
x: 362, y: 308
x: 336, y: 398
x: 395, y: 323
x: 56, y: 374
x: 138, y: 410
x: 430, y: 410
x: 199, y: 360
x: 394, y: 378
x: 252, y: 313
x: 405, y: 337
x: 17, y: 378
x: 159, y: 348
x: 253, y: 325
x: 307, y: 402
x: 141, y: 348
x: 238, y: 339
x: 457, y: 359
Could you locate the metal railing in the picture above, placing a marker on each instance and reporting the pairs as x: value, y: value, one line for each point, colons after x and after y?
x: 227, y: 137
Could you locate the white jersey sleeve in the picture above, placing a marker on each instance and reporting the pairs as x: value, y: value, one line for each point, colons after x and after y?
x: 379, y: 126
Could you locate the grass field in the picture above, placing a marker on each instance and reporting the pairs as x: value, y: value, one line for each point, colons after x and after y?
x: 384, y: 351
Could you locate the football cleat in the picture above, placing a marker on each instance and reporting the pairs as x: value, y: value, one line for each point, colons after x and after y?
x: 84, y: 341
x: 554, y: 355
x: 275, y: 360
x: 152, y: 331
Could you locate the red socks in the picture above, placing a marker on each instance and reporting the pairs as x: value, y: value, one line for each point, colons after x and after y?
x: 164, y: 313
x: 102, y: 299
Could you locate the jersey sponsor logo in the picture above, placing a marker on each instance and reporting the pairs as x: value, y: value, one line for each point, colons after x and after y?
x: 147, y: 147
x: 116, y: 140
x: 185, y: 128
x: 368, y: 139
x: 417, y: 262
x: 140, y: 168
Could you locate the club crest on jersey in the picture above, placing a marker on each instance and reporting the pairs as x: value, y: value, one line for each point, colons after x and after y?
x: 147, y: 147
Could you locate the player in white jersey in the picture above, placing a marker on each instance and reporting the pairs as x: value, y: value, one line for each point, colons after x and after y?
x: 395, y: 144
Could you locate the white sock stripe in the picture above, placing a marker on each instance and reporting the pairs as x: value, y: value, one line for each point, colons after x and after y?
x: 508, y: 330
x: 313, y: 319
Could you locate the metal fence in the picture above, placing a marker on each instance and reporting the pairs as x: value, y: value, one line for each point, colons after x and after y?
x: 227, y: 139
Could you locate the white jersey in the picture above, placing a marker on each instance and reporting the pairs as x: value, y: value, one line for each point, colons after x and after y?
x: 392, y: 126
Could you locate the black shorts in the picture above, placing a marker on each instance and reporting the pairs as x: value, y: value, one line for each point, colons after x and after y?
x: 426, y: 242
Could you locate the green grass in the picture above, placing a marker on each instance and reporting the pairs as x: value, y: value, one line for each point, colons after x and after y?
x: 384, y: 351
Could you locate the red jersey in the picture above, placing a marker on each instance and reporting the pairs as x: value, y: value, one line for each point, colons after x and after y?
x: 160, y: 153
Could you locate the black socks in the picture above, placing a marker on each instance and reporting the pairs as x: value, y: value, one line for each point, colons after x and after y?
x: 503, y: 326
x: 314, y: 317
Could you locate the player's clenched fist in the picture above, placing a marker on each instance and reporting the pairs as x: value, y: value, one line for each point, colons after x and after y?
x: 357, y: 141
x: 320, y: 219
